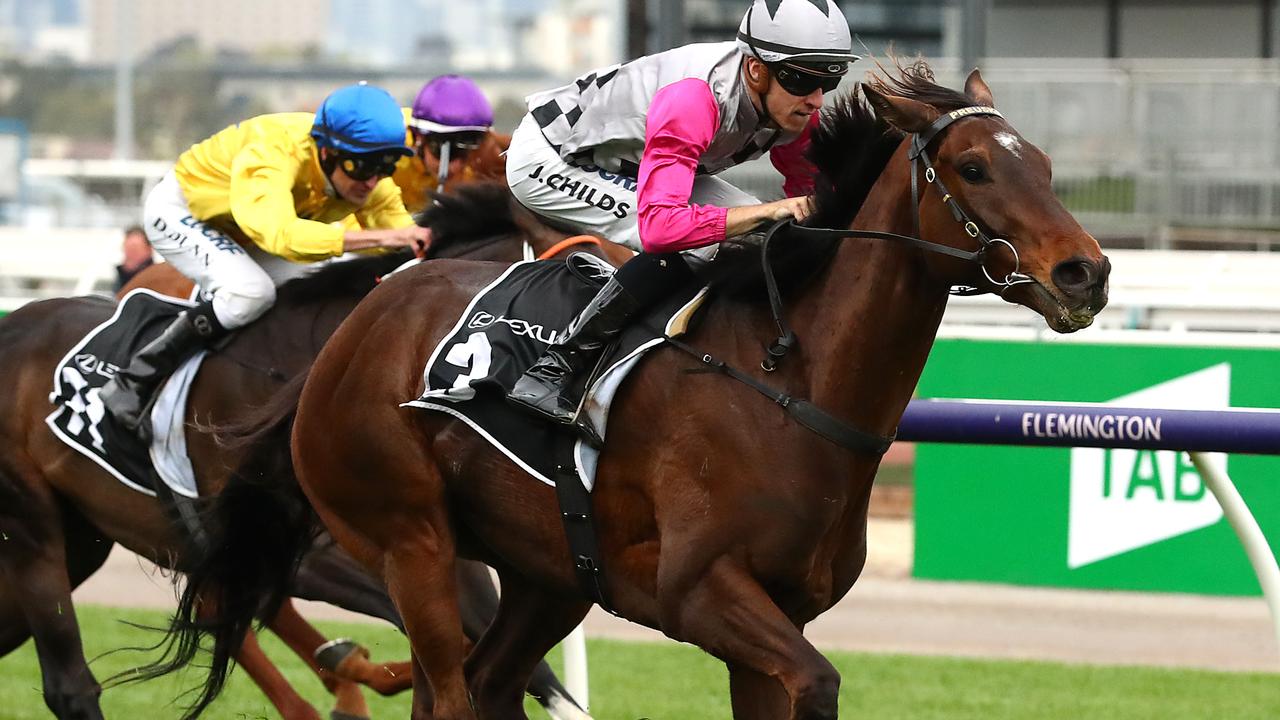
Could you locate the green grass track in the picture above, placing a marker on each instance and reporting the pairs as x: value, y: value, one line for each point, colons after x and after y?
x: 668, y: 681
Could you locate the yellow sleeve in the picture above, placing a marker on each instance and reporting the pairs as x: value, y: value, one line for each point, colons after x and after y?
x: 384, y: 209
x: 262, y: 180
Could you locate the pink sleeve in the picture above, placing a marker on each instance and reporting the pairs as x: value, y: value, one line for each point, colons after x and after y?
x: 797, y: 171
x: 681, y: 122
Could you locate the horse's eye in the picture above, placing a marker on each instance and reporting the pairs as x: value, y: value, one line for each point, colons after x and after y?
x: 972, y: 173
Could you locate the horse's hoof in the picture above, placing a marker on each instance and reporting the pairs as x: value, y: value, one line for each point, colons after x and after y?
x: 332, y: 654
x: 339, y: 715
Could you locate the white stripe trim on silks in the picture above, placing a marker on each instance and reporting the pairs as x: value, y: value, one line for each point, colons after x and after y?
x: 435, y: 128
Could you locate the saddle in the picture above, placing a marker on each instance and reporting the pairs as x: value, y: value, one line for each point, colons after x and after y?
x: 506, y: 327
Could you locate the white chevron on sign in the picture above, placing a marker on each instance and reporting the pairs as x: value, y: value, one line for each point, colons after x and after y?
x: 1122, y: 500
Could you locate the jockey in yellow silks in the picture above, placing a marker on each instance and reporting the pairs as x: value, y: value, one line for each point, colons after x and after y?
x: 274, y: 186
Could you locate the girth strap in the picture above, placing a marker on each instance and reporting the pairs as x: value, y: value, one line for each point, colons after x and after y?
x: 579, y: 525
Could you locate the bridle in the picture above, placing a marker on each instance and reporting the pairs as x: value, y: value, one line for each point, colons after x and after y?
x: 919, y: 157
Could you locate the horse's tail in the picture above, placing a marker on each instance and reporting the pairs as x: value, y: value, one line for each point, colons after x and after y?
x: 259, y: 526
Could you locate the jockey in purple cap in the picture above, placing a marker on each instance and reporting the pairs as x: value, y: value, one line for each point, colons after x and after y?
x: 450, y: 130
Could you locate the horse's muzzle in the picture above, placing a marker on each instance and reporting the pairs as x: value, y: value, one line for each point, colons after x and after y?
x: 1082, y: 283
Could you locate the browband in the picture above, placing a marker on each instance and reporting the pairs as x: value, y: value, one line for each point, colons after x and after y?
x: 921, y: 140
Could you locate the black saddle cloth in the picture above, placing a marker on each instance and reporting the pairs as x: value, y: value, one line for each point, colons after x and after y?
x: 504, y: 330
x: 79, y: 417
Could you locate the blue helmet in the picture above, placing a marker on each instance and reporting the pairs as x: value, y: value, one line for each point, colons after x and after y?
x: 360, y: 119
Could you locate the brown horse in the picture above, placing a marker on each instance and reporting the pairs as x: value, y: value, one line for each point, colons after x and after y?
x: 707, y: 532
x: 61, y: 514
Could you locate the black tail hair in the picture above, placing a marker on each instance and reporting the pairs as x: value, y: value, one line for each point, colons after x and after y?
x: 259, y: 526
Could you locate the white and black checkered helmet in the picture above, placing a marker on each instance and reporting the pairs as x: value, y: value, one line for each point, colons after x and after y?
x: 807, y: 32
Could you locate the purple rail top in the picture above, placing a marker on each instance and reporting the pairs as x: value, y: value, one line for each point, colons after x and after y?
x: 994, y: 422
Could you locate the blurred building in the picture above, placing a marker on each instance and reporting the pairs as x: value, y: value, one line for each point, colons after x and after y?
x: 37, y: 30
x: 912, y: 25
x: 1132, y: 28
x: 574, y: 36
x: 225, y: 26
x: 1035, y: 28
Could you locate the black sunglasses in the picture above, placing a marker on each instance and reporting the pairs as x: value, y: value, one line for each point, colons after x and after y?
x: 802, y: 83
x: 367, y: 165
x: 460, y: 146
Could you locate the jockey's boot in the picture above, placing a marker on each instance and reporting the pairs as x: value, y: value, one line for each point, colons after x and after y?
x: 129, y: 395
x: 548, y: 387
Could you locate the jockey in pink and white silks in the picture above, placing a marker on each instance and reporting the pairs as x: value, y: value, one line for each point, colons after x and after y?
x: 630, y: 152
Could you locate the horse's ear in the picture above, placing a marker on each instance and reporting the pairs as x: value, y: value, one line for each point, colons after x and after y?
x: 977, y: 91
x: 903, y: 113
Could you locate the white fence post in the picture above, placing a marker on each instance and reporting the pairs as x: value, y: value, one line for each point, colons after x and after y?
x: 575, y: 666
x: 1246, y: 527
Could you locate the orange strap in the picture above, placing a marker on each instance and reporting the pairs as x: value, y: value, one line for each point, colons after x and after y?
x: 568, y: 243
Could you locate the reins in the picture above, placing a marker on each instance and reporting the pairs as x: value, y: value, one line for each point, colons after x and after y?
x: 919, y: 157
x: 807, y: 414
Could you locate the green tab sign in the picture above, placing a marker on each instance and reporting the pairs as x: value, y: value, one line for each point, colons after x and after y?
x: 1091, y: 517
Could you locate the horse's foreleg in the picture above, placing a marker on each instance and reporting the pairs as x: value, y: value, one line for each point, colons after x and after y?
x: 304, y: 639
x: 774, y: 671
x: 286, y: 700
x: 33, y: 568
x: 528, y: 624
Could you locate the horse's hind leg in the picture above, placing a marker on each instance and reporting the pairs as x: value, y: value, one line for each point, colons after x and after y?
x: 479, y: 601
x: 528, y: 624
x: 33, y: 565
x: 774, y: 671
x: 410, y: 541
x: 13, y: 624
x: 421, y: 578
x: 87, y: 549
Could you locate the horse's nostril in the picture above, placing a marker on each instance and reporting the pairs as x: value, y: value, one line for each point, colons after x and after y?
x: 1074, y: 275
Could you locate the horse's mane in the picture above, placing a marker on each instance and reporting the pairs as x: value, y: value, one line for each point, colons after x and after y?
x: 471, y: 214
x: 475, y: 213
x: 850, y: 147
x: 347, y: 278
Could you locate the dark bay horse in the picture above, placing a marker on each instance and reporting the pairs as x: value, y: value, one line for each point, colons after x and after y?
x: 723, y: 522
x: 60, y: 514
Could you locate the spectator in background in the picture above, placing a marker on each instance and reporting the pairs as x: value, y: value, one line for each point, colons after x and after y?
x: 137, y: 255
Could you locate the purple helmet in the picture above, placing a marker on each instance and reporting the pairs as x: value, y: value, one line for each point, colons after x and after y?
x: 451, y: 104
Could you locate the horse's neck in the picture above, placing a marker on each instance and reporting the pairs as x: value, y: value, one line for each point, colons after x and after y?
x: 290, y: 335
x: 869, y: 322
